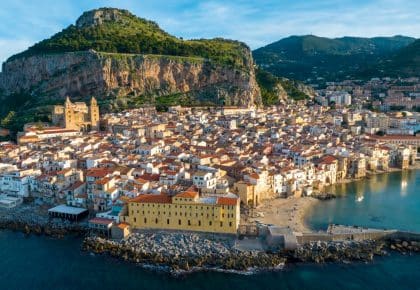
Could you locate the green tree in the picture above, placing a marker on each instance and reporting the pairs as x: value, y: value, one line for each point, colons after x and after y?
x: 6, y: 121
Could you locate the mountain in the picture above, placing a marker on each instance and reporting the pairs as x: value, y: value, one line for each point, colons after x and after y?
x: 312, y: 57
x: 126, y: 61
x: 403, y: 63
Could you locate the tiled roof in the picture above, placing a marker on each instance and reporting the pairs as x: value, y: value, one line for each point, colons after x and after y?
x: 187, y: 194
x: 152, y: 198
x: 227, y: 201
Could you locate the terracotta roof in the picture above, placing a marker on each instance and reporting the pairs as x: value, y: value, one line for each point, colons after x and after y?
x: 152, y: 198
x: 102, y: 181
x: 97, y: 172
x: 123, y: 225
x: 327, y: 159
x: 187, y: 194
x: 227, y: 201
x: 254, y: 175
x: 150, y: 177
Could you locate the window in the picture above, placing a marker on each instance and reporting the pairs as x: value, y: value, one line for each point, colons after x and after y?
x: 156, y: 221
x: 179, y: 222
x: 189, y: 222
x: 199, y: 223
x: 209, y: 223
x: 135, y: 220
x: 221, y: 224
x: 145, y: 220
x: 167, y: 221
x: 230, y: 224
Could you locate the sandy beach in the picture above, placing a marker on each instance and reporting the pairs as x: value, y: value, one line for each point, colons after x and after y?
x: 285, y: 212
x: 290, y: 212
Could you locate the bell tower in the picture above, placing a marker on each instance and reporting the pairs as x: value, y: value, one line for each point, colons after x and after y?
x: 69, y: 118
x: 94, y: 114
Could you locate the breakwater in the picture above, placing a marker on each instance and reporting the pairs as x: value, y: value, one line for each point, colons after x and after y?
x: 185, y: 252
x: 188, y: 252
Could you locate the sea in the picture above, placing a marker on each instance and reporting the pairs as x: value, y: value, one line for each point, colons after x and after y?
x: 384, y: 201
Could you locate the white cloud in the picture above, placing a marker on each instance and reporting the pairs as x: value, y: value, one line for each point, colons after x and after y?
x: 256, y: 23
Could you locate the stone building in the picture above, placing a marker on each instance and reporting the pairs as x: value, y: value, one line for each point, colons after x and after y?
x: 185, y: 211
x: 77, y: 116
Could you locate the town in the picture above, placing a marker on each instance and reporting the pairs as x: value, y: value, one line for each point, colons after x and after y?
x: 206, y: 169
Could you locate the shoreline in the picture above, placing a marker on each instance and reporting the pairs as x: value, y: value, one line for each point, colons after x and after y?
x: 246, y: 262
x: 291, y: 212
x: 415, y: 166
x: 219, y: 253
x: 286, y: 212
x: 30, y: 219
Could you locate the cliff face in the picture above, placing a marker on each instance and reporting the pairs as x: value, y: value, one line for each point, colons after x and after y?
x: 107, y: 75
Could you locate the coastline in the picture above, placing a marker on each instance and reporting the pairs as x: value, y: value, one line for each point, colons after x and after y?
x: 32, y: 219
x: 219, y: 253
x: 291, y: 212
x: 185, y: 252
x: 415, y: 166
x: 286, y: 212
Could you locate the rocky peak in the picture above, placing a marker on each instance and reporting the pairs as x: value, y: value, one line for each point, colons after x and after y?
x: 99, y: 16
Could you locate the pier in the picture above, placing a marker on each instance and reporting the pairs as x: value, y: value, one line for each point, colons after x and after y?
x: 68, y: 212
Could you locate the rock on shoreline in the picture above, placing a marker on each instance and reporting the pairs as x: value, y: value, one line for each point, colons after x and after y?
x: 188, y: 252
x: 321, y: 252
x: 184, y: 252
x: 26, y: 219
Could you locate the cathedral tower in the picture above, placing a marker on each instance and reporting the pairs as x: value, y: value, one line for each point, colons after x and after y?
x: 94, y: 114
x: 69, y: 118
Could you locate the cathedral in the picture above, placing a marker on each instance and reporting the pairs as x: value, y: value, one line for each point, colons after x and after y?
x: 77, y: 116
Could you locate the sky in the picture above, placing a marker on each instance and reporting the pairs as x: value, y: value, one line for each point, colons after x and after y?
x: 255, y: 22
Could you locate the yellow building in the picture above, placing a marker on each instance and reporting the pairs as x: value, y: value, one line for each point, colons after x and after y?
x: 77, y: 116
x: 185, y: 211
x: 246, y: 193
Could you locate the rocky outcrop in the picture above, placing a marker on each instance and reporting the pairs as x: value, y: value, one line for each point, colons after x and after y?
x: 83, y: 74
x: 320, y: 252
x: 404, y: 246
x: 99, y: 16
x: 181, y: 252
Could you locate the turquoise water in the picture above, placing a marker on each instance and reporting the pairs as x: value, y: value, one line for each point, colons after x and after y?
x: 384, y: 201
x: 43, y: 263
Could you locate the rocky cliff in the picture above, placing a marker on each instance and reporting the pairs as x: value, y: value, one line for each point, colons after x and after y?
x: 107, y: 75
x: 124, y: 61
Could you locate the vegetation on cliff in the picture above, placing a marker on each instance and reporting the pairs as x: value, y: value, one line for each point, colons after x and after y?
x: 196, y: 72
x: 126, y: 33
x: 274, y: 89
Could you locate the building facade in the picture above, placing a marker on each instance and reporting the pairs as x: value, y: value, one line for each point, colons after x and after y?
x: 185, y: 211
x: 77, y: 116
